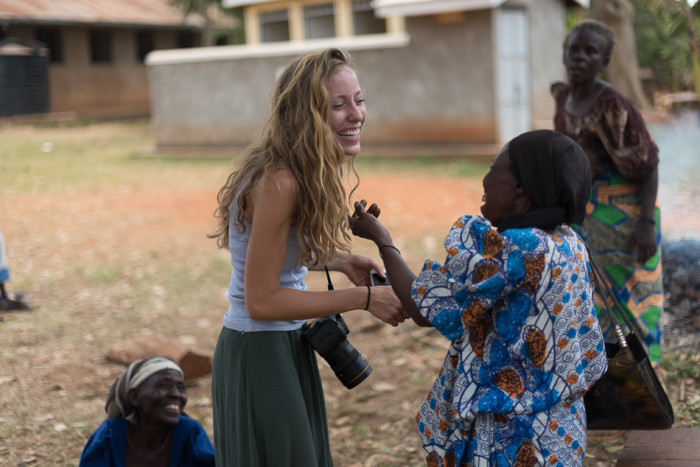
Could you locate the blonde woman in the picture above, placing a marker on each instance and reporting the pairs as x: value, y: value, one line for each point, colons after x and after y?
x: 281, y: 213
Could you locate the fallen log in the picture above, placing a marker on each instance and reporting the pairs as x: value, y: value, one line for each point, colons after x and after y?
x: 194, y: 364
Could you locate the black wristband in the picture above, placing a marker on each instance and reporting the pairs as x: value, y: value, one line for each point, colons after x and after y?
x: 388, y: 246
x: 369, y: 294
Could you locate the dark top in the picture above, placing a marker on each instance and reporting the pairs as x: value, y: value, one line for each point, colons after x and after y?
x: 612, y: 133
x: 107, y: 445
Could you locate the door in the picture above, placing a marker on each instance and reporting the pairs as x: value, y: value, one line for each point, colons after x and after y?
x: 512, y: 49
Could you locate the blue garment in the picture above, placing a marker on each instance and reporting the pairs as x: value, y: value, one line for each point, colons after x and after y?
x: 525, y: 347
x: 107, y: 445
x: 4, y: 268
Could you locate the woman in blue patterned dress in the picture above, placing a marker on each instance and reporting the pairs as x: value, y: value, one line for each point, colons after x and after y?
x: 514, y: 296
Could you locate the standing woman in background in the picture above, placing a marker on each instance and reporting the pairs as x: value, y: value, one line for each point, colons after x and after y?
x: 622, y: 222
x: 281, y: 213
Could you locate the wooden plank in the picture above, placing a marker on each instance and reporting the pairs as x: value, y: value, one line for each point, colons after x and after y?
x: 194, y: 364
x: 673, y: 448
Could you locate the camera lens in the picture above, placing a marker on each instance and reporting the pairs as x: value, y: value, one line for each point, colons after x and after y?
x: 328, y: 337
x: 349, y: 365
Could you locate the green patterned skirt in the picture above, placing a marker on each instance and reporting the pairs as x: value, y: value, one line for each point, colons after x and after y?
x: 612, y: 214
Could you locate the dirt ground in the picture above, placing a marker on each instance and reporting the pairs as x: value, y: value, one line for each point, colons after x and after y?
x: 55, y: 376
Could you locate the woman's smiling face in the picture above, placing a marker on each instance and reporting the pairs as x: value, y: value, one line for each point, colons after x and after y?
x: 161, y: 398
x: 501, y: 190
x: 348, y: 111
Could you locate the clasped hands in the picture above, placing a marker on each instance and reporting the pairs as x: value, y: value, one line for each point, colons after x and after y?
x: 364, y: 223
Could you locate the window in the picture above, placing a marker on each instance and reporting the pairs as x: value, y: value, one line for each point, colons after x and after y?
x: 363, y: 19
x: 101, y: 45
x: 332, y: 20
x: 185, y: 39
x: 51, y: 38
x: 274, y: 26
x: 318, y: 21
x: 144, y: 44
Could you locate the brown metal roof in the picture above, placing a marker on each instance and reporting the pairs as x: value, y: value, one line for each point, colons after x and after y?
x: 108, y: 12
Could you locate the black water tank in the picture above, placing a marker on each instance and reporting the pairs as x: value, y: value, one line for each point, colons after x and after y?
x: 24, y: 78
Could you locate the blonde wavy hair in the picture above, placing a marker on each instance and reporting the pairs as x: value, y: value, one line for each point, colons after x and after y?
x: 298, y: 136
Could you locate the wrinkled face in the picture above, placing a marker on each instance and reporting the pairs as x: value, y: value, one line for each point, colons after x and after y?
x: 584, y: 56
x: 161, y: 398
x: 348, y: 111
x: 501, y: 191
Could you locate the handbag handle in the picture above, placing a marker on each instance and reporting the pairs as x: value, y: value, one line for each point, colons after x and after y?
x: 607, y: 293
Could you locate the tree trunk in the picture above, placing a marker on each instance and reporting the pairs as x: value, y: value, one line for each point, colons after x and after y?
x: 623, y: 70
x: 206, y: 27
x: 694, y: 52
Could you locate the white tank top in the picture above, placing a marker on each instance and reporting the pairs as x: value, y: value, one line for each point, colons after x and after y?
x: 292, y: 277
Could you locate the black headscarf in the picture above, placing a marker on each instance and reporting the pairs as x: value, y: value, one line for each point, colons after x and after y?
x: 556, y: 174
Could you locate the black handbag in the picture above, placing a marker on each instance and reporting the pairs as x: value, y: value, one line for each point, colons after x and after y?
x: 629, y: 396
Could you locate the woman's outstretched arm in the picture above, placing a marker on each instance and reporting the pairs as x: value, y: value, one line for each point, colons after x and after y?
x: 271, y: 214
x: 366, y: 224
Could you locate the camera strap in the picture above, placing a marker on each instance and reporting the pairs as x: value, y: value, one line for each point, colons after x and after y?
x: 338, y: 317
x: 328, y: 276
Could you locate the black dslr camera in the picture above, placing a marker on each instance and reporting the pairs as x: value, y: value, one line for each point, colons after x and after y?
x: 328, y: 336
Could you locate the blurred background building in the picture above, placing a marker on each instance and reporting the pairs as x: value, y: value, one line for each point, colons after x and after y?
x: 93, y: 53
x: 451, y: 76
x: 457, y: 76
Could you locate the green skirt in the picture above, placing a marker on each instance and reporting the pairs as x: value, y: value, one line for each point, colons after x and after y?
x: 613, y: 212
x: 269, y: 409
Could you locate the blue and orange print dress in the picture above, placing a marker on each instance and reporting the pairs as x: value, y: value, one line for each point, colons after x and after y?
x: 525, y: 346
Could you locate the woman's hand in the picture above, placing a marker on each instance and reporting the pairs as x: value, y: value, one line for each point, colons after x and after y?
x: 364, y: 224
x: 356, y: 267
x: 385, y: 305
x: 359, y: 267
x: 643, y: 240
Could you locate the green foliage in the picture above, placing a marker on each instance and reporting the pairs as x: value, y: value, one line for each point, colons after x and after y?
x: 682, y: 370
x: 573, y: 16
x: 222, y: 26
x: 663, y: 42
x: 238, y: 35
x: 192, y: 6
x: 681, y: 366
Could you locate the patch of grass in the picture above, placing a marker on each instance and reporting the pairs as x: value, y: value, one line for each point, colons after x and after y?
x: 681, y: 366
x: 90, y: 155
x: 104, y: 274
x: 423, y: 165
x: 681, y: 376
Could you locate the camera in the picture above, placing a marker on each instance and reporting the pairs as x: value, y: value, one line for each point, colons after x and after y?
x: 328, y: 337
x: 376, y: 280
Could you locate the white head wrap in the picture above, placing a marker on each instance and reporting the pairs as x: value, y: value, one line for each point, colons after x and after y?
x: 118, y: 404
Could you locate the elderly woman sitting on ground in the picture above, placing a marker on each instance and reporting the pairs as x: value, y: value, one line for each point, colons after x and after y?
x: 145, y: 422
